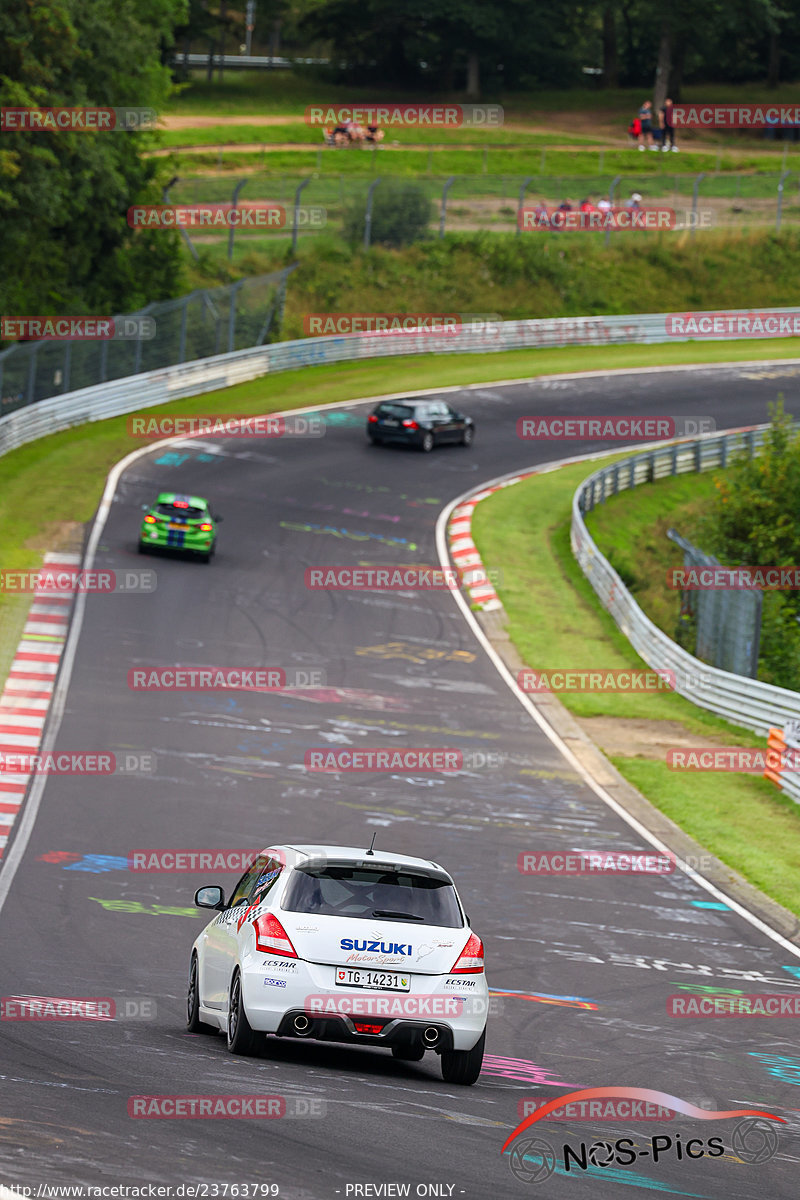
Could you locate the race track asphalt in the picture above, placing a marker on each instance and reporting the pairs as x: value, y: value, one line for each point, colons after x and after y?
x: 586, y: 963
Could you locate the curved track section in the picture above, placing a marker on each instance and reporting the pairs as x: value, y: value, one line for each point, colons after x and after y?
x: 581, y: 967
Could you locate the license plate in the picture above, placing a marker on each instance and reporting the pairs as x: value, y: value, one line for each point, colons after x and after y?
x: 379, y: 981
x: 173, y: 525
x: 386, y: 421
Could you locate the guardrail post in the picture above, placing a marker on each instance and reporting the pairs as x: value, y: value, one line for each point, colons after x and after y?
x: 723, y: 452
x: 137, y: 362
x: 611, y: 191
x: 674, y: 460
x: 443, y: 213
x: 304, y: 184
x: 698, y: 456
x: 182, y: 339
x: 183, y: 233
x: 234, y: 205
x: 784, y: 175
x: 615, y: 480
x: 651, y: 466
x: 65, y: 371
x: 528, y: 179
x: 695, y: 192
x: 368, y: 214
x: 32, y: 375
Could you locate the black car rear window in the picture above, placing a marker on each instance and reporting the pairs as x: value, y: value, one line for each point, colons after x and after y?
x: 373, y: 895
x: 401, y: 411
x: 190, y: 513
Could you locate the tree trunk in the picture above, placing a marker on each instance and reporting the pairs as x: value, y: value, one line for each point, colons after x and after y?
x: 275, y: 39
x: 473, y: 75
x: 610, y: 50
x: 664, y: 67
x: 223, y: 19
x: 774, y: 60
x: 210, y: 71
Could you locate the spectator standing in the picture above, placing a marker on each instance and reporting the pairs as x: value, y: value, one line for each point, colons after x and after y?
x: 646, y: 120
x: 666, y: 120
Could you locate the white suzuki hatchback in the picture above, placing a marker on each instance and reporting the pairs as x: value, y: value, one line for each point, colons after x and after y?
x: 343, y: 945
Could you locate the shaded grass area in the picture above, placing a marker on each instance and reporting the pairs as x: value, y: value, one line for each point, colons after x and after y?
x: 535, y: 275
x: 555, y: 620
x: 631, y: 530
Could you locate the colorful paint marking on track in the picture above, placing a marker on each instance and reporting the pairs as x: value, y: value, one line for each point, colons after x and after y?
x: 26, y: 696
x: 544, y: 998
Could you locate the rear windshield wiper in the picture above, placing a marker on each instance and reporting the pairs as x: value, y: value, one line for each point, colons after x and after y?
x: 400, y: 916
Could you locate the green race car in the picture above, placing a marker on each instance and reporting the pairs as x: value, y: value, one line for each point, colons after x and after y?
x: 177, y: 522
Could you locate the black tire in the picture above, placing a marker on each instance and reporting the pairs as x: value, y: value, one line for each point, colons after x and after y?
x: 240, y: 1037
x: 193, y: 1022
x: 142, y: 548
x: 373, y: 441
x: 408, y: 1053
x: 463, y: 1066
x: 426, y: 445
x: 468, y: 436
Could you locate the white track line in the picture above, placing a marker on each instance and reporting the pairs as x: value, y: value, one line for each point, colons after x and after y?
x: 546, y: 728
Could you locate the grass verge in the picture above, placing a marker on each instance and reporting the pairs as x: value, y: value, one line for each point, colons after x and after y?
x: 555, y: 620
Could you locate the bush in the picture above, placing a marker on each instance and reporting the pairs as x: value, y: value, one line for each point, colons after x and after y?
x: 401, y: 214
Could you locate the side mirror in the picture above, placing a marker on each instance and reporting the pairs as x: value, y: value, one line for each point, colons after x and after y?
x: 209, y: 897
x: 145, y: 508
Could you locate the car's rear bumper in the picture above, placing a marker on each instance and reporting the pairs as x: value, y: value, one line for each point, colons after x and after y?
x: 274, y: 995
x: 157, y: 539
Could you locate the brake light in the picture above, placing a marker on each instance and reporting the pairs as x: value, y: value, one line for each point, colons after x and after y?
x: 470, y: 960
x: 180, y: 503
x: 410, y: 424
x: 373, y: 420
x: 361, y: 1028
x: 149, y: 520
x: 271, y: 937
x: 206, y: 528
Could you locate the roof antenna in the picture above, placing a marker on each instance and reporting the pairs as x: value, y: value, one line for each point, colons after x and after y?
x: 372, y: 843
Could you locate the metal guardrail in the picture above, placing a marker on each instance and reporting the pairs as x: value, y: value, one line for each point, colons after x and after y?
x: 177, y: 382
x: 747, y: 702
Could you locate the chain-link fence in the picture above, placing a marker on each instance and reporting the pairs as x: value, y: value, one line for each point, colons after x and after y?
x: 469, y: 203
x: 198, y: 325
x: 725, y: 625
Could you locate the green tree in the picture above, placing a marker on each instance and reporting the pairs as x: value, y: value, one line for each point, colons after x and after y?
x: 65, y: 243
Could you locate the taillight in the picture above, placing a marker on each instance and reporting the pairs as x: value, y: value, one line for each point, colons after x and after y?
x: 360, y: 1027
x: 410, y: 424
x: 470, y: 960
x: 373, y: 420
x: 206, y: 528
x: 271, y: 937
x: 149, y: 520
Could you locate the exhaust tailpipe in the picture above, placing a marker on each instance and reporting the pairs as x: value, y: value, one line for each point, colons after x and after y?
x: 301, y: 1024
x: 430, y: 1035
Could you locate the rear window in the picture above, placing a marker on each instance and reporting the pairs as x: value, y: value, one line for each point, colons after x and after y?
x: 400, y: 411
x: 184, y: 513
x: 373, y: 895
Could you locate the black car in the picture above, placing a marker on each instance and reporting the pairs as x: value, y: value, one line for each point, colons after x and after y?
x: 420, y: 423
